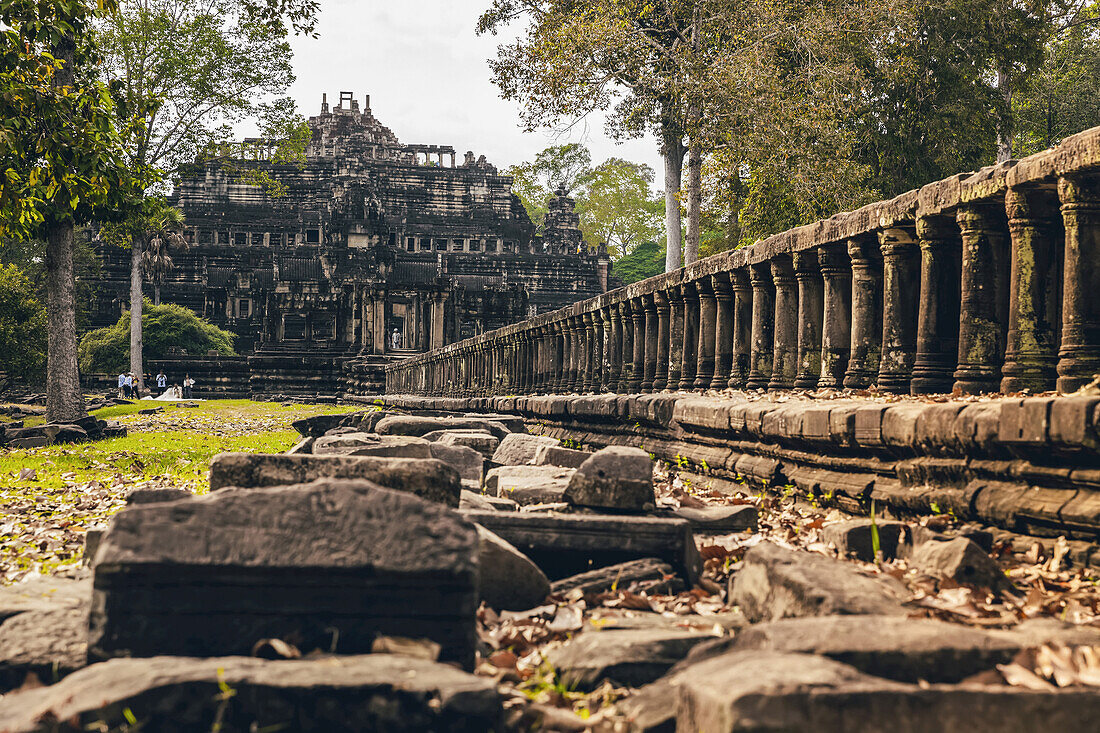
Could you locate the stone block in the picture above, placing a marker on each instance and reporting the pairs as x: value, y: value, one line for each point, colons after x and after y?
x: 514, y: 423
x: 774, y: 583
x: 567, y: 544
x: 555, y: 455
x: 152, y: 496
x: 853, y: 538
x: 627, y: 658
x: 318, y: 425
x: 978, y: 426
x: 428, y: 478
x: 482, y: 502
x: 899, y: 427
x: 868, y: 425
x: 214, y: 575
x: 507, y: 579
x: 46, y: 593
x: 48, y: 644
x: 519, y: 449
x: 377, y: 692
x: 529, y: 484
x: 709, y: 415
x: 419, y: 426
x: 760, y: 469
x: 614, y: 478
x: 370, y: 444
x: 484, y: 443
x: 719, y: 519
x: 959, y: 559
x: 935, y: 429
x: 1071, y: 422
x: 469, y: 463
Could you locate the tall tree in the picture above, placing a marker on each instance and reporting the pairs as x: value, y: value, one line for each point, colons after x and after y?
x: 186, y: 70
x: 615, y: 206
x: 557, y: 167
x: 61, y: 153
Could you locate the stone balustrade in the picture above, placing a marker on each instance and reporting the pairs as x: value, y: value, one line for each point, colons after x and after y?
x: 982, y: 282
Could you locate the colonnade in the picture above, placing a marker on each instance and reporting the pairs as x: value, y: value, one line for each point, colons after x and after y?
x: 980, y: 283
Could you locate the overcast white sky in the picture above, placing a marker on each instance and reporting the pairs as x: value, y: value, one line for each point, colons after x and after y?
x: 428, y: 77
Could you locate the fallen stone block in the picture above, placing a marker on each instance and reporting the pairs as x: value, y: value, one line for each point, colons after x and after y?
x: 369, y: 444
x: 330, y: 565
x: 152, y: 496
x: 318, y: 425
x: 419, y: 426
x: 35, y: 441
x: 622, y: 576
x: 529, y: 484
x: 512, y: 422
x: 518, y: 449
x: 959, y: 559
x: 773, y: 583
x: 468, y: 462
x: 48, y: 644
x: 507, y: 579
x: 484, y: 443
x: 614, y: 478
x: 720, y: 519
x: 46, y: 593
x: 567, y: 544
x: 484, y: 502
x: 627, y: 658
x: 427, y: 478
x: 773, y: 691
x: 893, y: 647
x: 302, y: 447
x: 380, y: 692
x: 652, y: 709
x: 854, y: 538
x: 555, y: 455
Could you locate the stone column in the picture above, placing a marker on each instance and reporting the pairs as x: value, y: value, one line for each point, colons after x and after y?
x: 763, y: 327
x: 614, y: 349
x: 649, y: 372
x: 938, y: 319
x: 675, y: 336
x: 690, y: 354
x: 660, y: 376
x: 637, y: 366
x: 589, y: 343
x: 566, y: 357
x: 561, y: 357
x: 723, y: 330
x: 742, y: 328
x: 1034, y: 291
x: 901, y: 299
x: 983, y: 304
x: 576, y: 383
x: 438, y: 301
x: 599, y: 350
x: 627, y: 346
x: 866, y: 299
x: 811, y: 305
x: 1079, y: 355
x: 836, y: 334
x: 708, y: 316
x: 785, y: 353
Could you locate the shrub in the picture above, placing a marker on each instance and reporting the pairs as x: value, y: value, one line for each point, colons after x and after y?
x: 22, y: 327
x: 164, y: 328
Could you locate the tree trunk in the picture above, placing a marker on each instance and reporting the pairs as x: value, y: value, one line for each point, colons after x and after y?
x: 695, y: 200
x: 1005, y: 131
x: 156, y: 294
x: 135, y: 313
x: 733, y: 222
x: 673, y: 153
x: 64, y: 401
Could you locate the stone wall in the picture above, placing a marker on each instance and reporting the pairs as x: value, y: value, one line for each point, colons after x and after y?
x: 982, y: 282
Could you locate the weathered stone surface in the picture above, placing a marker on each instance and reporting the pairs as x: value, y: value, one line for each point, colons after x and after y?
x: 318, y: 425
x: 429, y: 479
x: 774, y: 583
x: 628, y: 658
x: 772, y: 691
x: 152, y: 496
x: 302, y: 447
x: 614, y: 478
x: 555, y: 455
x: 46, y: 593
x: 894, y: 647
x: 621, y: 575
x: 529, y: 484
x: 720, y: 518
x: 215, y: 574
x: 419, y: 426
x: 959, y: 559
x: 381, y: 692
x: 47, y: 644
x: 483, y: 443
x: 370, y: 444
x: 652, y: 709
x: 483, y: 502
x: 514, y: 423
x: 518, y: 449
x: 468, y: 462
x: 507, y: 579
x: 567, y: 544
x: 853, y: 537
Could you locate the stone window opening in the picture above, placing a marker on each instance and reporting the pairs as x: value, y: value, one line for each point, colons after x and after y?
x: 294, y: 328
x: 475, y: 245
x: 244, y: 308
x: 458, y: 245
x: 410, y: 244
x: 313, y: 236
x: 240, y: 239
x: 440, y: 245
x: 206, y: 236
x: 223, y: 237
x: 324, y: 329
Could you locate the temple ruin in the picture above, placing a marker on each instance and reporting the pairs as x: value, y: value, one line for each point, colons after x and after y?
x: 369, y: 250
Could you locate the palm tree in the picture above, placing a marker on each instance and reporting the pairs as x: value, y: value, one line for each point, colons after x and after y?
x: 163, y: 234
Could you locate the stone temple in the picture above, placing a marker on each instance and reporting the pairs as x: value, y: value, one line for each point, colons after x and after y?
x: 370, y: 250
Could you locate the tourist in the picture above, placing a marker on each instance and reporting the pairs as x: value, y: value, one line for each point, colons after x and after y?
x: 396, y: 339
x: 122, y: 391
x: 162, y: 381
x: 188, y: 383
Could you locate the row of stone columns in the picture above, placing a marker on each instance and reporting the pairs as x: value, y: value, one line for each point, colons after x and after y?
x: 999, y: 294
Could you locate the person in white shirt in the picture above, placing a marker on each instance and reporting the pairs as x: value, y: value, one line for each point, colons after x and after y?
x: 162, y: 381
x: 122, y: 385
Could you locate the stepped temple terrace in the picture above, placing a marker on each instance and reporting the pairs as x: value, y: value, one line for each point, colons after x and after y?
x: 376, y: 249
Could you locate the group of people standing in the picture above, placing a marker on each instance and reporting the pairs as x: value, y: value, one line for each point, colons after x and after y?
x: 128, y: 387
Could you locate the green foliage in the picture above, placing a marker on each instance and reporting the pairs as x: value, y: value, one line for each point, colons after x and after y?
x: 558, y: 166
x: 22, y: 326
x: 165, y: 327
x: 615, y: 206
x: 647, y: 260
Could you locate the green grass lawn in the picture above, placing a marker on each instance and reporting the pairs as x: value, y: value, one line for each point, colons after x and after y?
x: 49, y: 496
